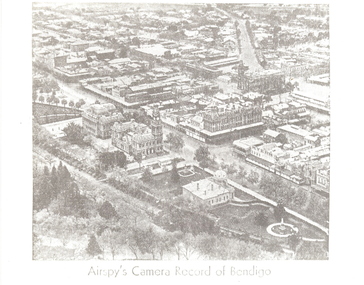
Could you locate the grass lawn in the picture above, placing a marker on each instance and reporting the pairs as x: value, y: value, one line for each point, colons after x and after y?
x: 243, y: 219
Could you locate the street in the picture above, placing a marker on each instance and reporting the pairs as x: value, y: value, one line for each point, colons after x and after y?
x: 247, y: 51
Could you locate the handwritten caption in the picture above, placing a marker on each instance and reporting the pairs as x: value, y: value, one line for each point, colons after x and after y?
x: 139, y: 271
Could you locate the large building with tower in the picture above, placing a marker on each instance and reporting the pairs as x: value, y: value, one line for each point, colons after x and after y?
x: 134, y: 138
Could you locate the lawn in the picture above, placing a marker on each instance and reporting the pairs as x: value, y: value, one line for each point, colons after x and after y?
x: 243, y: 219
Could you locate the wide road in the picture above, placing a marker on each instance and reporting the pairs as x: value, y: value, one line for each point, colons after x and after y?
x: 247, y: 51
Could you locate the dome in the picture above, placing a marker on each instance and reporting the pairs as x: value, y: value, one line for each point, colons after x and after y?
x: 220, y: 175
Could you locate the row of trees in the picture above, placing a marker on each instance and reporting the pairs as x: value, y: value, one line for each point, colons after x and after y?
x: 57, y: 190
x: 54, y: 100
x: 148, y: 243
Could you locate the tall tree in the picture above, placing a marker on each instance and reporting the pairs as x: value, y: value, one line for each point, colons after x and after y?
x: 93, y: 247
x: 279, y: 211
x: 64, y: 102
x: 174, y: 173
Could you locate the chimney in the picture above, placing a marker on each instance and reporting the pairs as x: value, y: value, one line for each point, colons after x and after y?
x: 205, y: 192
x: 212, y: 187
x: 198, y: 185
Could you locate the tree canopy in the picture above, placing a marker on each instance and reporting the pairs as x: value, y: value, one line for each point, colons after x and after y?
x: 202, y: 155
x: 74, y: 133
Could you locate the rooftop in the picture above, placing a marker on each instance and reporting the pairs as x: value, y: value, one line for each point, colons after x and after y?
x: 206, y: 189
x: 295, y: 130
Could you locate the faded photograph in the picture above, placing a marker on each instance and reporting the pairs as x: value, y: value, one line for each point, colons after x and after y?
x: 181, y: 131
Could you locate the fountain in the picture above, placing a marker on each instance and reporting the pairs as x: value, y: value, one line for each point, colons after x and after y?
x: 282, y: 229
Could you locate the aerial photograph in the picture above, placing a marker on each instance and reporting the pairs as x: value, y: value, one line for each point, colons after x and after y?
x: 180, y: 131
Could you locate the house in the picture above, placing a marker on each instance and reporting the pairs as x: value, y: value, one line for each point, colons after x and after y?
x: 210, y: 191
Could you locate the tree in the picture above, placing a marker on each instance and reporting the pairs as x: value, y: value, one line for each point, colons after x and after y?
x: 175, y: 140
x: 107, y: 211
x: 202, y: 155
x: 261, y: 219
x: 176, y: 244
x: 135, y: 41
x: 139, y: 158
x: 253, y: 177
x: 43, y: 192
x: 82, y: 102
x: 52, y: 84
x: 74, y: 133
x: 242, y: 173
x: 93, y: 247
x: 49, y: 100
x: 113, y: 240
x: 188, y: 245
x: 78, y: 105
x: 147, y: 175
x: 293, y: 241
x: 279, y: 211
x: 271, y: 185
x: 64, y: 102
x: 88, y: 139
x: 120, y: 159
x: 56, y: 101
x: 71, y: 103
x: 41, y: 98
x: 207, y: 244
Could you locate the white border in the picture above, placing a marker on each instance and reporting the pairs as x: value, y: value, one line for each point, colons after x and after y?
x: 346, y: 247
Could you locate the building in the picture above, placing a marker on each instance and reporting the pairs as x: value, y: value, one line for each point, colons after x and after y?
x: 323, y: 79
x: 315, y: 102
x: 295, y: 134
x: 79, y: 46
x: 105, y: 54
x: 265, y: 82
x: 270, y: 152
x: 99, y: 118
x: 292, y: 112
x: 134, y: 138
x: 219, y: 123
x: 244, y: 146
x: 210, y: 191
x: 323, y: 178
x: 270, y: 136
